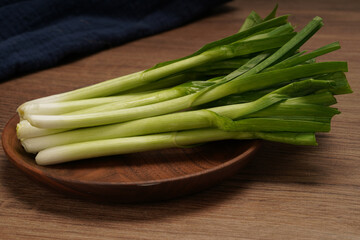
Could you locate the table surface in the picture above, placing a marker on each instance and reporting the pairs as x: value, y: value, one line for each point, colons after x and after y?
x: 285, y: 192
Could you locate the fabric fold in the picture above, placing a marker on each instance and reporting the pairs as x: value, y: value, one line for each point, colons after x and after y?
x: 39, y: 34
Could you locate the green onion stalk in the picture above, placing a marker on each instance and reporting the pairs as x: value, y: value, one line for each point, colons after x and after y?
x: 289, y: 108
x: 227, y: 48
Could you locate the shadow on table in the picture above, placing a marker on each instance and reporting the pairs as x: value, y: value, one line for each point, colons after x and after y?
x: 274, y: 163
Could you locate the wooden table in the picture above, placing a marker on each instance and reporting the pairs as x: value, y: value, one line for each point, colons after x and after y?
x: 285, y: 192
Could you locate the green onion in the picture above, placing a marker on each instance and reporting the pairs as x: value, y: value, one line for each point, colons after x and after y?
x: 213, y: 117
x: 254, y: 84
x: 108, y: 147
x: 212, y: 52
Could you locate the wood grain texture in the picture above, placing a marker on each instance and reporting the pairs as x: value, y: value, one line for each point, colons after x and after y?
x: 286, y: 192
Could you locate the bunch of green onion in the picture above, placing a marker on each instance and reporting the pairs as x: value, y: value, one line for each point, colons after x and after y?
x: 255, y: 84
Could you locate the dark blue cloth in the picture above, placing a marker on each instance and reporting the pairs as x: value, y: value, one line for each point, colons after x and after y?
x: 38, y: 34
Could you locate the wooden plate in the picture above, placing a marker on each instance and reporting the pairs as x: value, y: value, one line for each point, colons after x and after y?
x: 140, y: 177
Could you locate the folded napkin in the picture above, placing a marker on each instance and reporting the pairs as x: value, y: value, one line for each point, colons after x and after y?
x: 38, y: 34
